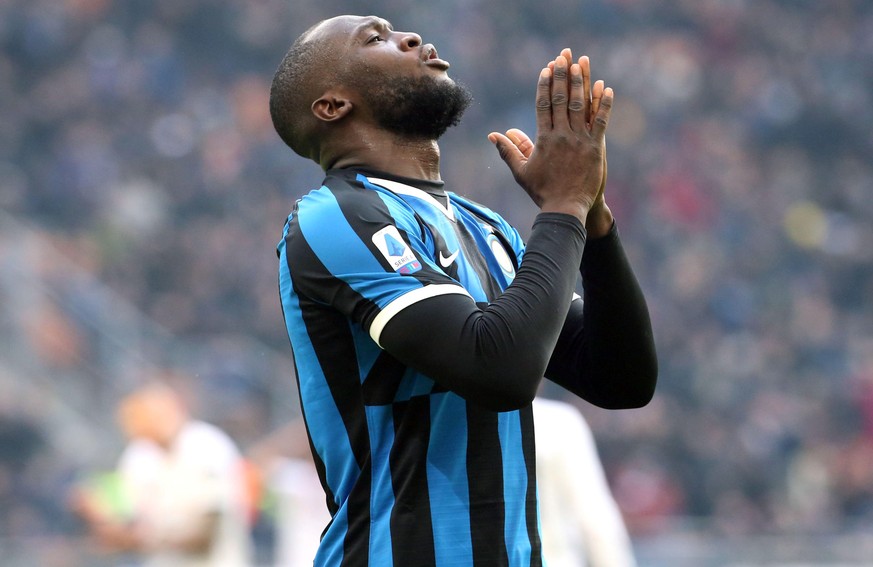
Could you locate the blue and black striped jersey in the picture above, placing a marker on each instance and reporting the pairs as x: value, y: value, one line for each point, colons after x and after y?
x: 414, y: 474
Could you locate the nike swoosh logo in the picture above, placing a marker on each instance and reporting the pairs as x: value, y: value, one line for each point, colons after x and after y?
x: 446, y: 261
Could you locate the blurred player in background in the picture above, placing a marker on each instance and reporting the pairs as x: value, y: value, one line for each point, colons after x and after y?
x: 180, y: 496
x: 289, y: 476
x: 581, y: 523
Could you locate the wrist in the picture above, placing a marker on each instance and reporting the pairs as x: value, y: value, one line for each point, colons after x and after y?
x: 578, y: 210
x: 599, y: 220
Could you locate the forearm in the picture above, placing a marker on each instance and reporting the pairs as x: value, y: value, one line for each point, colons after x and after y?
x: 496, y: 355
x: 196, y: 538
x: 606, y: 353
x: 118, y: 537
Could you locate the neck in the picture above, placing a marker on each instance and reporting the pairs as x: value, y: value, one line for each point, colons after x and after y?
x: 417, y: 159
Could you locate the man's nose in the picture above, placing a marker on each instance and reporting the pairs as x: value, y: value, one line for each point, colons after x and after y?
x: 410, y: 40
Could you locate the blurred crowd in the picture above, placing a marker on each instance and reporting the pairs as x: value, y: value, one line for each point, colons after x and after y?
x: 143, y: 190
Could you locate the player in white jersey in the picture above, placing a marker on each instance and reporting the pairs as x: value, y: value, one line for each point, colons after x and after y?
x: 581, y: 523
x: 181, y: 497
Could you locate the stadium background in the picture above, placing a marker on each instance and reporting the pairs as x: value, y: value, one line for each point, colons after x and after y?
x: 142, y: 191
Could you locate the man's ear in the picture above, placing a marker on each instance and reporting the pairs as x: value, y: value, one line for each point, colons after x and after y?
x: 331, y: 107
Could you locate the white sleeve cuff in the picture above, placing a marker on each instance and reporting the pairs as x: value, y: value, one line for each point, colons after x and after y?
x: 407, y: 299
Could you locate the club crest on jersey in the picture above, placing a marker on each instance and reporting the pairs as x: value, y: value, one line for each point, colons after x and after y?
x: 500, y: 254
x: 396, y: 251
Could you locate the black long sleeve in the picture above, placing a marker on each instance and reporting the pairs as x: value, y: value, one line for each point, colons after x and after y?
x: 496, y: 356
x: 606, y: 352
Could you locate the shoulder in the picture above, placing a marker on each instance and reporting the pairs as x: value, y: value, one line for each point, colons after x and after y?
x: 494, y: 219
x: 324, y: 199
x: 139, y: 453
x: 558, y: 415
x: 346, y: 197
x: 345, y: 211
x: 202, y: 437
x: 476, y: 208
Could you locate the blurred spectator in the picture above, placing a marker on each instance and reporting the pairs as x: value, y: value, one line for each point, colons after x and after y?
x: 581, y: 523
x: 301, y: 515
x: 179, y: 499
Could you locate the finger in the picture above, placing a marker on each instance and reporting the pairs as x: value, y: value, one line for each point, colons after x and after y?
x: 559, y: 94
x: 605, y: 168
x: 567, y: 54
x: 543, y: 101
x: 508, y: 150
x: 577, y: 106
x: 601, y: 119
x: 521, y: 140
x: 596, y: 96
x: 585, y: 65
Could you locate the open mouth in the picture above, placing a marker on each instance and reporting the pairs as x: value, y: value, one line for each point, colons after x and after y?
x: 432, y: 58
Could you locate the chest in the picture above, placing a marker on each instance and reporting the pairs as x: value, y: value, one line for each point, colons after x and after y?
x: 470, y: 249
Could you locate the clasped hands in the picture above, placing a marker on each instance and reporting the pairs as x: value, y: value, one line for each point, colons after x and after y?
x: 564, y: 170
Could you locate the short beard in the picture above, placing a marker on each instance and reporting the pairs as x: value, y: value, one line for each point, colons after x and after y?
x: 415, y: 108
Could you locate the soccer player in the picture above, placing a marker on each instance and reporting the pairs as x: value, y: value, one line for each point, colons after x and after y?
x: 580, y: 520
x: 420, y: 321
x: 182, y: 500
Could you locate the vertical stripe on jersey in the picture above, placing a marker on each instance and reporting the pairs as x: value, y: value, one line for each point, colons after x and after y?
x: 411, y: 524
x: 286, y: 285
x: 330, y: 550
x: 304, y: 353
x: 447, y: 477
x: 475, y: 260
x: 342, y: 417
x: 341, y: 376
x: 485, y: 485
x: 382, y: 498
x: 531, y: 501
x: 515, y: 479
x: 383, y: 380
x: 356, y: 547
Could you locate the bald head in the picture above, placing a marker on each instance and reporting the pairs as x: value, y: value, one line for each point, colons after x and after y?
x: 349, y: 79
x: 309, y: 67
